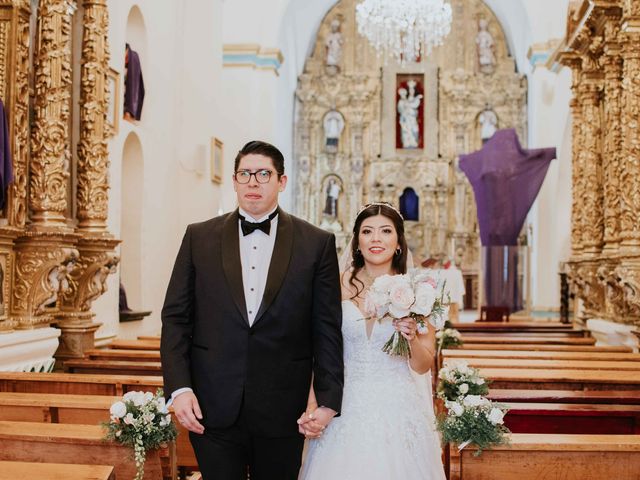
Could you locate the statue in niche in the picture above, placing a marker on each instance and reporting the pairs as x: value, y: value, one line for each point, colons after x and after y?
x: 330, y: 212
x: 488, y: 123
x: 408, y: 105
x: 331, y: 202
x: 333, y: 44
x: 486, y: 45
x: 333, y: 124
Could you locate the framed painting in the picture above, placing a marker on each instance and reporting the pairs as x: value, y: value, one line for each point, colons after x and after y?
x: 217, y: 160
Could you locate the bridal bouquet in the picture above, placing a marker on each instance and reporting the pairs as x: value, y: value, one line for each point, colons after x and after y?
x: 473, y: 419
x: 459, y: 379
x: 141, y: 421
x: 413, y: 294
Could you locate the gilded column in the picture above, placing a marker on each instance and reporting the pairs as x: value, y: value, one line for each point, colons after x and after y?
x: 93, y: 156
x: 591, y: 197
x: 17, y: 94
x: 50, y: 150
x: 611, y: 155
x: 630, y: 174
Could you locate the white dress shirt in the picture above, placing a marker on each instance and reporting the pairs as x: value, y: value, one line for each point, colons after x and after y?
x: 255, y: 256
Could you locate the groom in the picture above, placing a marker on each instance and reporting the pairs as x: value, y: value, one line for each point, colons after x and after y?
x: 251, y: 311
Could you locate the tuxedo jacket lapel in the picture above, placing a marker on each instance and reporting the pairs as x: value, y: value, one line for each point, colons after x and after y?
x: 231, y: 263
x: 279, y: 265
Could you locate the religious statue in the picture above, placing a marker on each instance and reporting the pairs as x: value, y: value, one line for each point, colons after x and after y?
x: 485, y: 43
x: 331, y: 202
x: 488, y: 123
x: 333, y: 44
x: 408, y: 105
x: 333, y: 124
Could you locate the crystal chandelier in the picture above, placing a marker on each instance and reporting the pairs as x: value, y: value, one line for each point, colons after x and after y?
x: 404, y: 29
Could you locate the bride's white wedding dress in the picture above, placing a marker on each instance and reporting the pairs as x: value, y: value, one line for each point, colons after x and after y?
x: 386, y: 429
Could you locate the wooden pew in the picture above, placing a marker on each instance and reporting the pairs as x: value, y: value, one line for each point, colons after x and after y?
x: 552, y: 364
x: 113, y: 367
x: 628, y: 397
x: 136, y: 344
x: 77, y: 383
x: 539, y: 456
x: 541, y: 355
x: 525, y: 334
x: 78, y: 409
x: 470, y: 345
x: 55, y: 471
x: 567, y: 418
x: 122, y: 354
x: 513, y: 326
x: 59, y: 443
x: 538, y: 379
x: 509, y: 340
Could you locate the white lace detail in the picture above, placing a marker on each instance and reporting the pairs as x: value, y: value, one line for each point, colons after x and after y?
x: 386, y: 429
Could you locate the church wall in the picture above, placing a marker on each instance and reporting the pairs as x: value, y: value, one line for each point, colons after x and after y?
x: 182, y: 68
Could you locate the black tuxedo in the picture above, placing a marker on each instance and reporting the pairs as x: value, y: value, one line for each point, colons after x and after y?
x: 263, y: 370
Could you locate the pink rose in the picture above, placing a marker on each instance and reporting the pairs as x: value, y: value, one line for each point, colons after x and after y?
x: 401, y: 296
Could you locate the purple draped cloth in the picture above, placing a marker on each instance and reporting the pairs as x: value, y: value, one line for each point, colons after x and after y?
x: 506, y: 179
x: 133, y: 86
x: 6, y: 166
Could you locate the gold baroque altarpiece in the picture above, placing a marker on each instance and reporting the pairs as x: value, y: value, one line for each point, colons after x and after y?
x: 602, y: 48
x: 55, y: 266
x: 364, y: 164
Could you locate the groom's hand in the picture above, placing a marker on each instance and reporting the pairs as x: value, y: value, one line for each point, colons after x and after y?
x: 312, y: 424
x: 188, y: 412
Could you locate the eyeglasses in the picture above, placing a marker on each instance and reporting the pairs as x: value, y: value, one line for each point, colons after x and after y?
x: 244, y: 176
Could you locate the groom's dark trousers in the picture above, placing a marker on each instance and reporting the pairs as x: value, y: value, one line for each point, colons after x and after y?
x: 252, y: 381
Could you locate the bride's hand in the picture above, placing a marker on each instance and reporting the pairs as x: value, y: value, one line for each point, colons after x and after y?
x: 407, y: 326
x: 309, y: 426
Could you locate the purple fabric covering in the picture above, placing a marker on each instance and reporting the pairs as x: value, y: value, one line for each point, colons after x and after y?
x: 506, y: 179
x: 6, y: 165
x: 134, y: 86
x: 503, y: 284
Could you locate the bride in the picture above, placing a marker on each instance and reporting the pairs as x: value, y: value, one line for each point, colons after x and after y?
x: 386, y: 429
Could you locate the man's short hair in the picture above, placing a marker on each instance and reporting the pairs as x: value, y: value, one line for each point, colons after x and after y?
x: 262, y: 148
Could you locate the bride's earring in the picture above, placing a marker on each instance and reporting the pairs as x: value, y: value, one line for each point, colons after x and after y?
x: 398, y: 252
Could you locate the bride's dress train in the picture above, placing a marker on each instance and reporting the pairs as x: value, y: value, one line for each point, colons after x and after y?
x: 386, y: 429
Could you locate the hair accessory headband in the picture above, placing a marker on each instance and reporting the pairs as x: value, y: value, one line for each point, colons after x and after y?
x: 379, y: 204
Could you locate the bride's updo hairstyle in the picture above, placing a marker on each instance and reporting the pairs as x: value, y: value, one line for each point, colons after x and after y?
x: 399, y: 261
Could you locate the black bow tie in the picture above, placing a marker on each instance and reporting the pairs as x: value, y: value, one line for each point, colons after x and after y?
x: 250, y: 227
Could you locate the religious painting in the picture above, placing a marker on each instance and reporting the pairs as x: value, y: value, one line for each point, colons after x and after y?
x: 409, y: 111
x: 113, y: 105
x: 217, y: 160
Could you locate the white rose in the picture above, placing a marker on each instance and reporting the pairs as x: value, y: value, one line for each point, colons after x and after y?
x: 137, y: 398
x: 383, y: 283
x: 148, y: 417
x: 473, y: 400
x: 479, y: 381
x: 376, y: 304
x: 456, y: 408
x: 496, y: 416
x: 439, y: 334
x: 162, y: 406
x: 128, y: 419
x: 118, y: 409
x: 464, y: 388
x: 401, y: 296
x: 147, y: 397
x: 425, y: 298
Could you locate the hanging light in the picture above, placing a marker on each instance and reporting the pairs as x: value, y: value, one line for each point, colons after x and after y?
x: 404, y: 29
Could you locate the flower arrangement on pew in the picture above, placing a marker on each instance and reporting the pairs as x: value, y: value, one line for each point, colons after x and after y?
x: 448, y: 338
x: 141, y: 421
x: 471, y: 418
x: 413, y: 294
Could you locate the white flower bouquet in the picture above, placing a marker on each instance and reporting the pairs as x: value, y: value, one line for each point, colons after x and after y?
x: 458, y: 380
x: 473, y: 419
x: 448, y: 338
x: 413, y: 294
x: 141, y: 421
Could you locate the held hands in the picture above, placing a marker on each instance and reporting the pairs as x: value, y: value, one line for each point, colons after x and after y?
x: 312, y: 423
x: 407, y: 326
x: 187, y: 411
